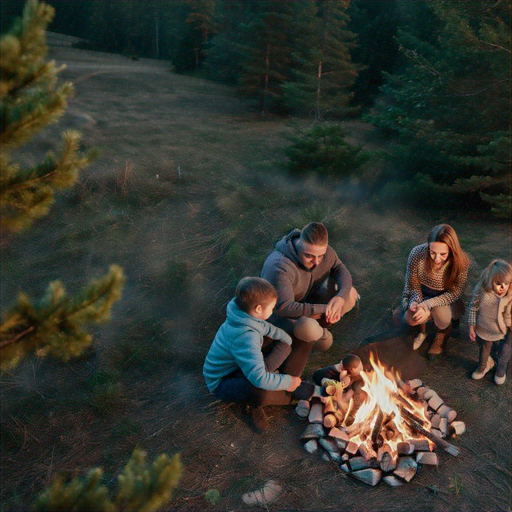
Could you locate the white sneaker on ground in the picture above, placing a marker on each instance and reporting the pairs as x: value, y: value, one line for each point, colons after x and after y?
x: 418, y: 340
x: 500, y: 380
x: 482, y: 370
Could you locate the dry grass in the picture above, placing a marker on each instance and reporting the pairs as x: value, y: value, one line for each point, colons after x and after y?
x: 187, y: 196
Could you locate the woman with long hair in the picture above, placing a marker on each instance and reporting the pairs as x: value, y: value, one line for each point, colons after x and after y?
x: 434, y: 283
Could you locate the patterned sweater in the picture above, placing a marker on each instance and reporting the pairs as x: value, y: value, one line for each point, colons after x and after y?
x: 416, y: 275
x: 490, y: 314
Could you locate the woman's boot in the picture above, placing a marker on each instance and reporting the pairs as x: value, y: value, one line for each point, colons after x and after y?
x: 439, y: 343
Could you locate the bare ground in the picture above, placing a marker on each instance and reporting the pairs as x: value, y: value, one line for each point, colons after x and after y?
x: 188, y: 197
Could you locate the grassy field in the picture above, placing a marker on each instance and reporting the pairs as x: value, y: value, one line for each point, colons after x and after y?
x: 188, y: 196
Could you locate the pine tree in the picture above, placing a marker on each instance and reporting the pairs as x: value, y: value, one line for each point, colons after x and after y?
x: 202, y: 18
x: 268, y: 48
x: 450, y: 105
x: 324, y: 71
x: 54, y: 325
x: 226, y: 53
x: 141, y: 488
x: 30, y: 100
x: 376, y: 25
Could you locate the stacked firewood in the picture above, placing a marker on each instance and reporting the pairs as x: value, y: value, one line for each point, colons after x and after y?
x: 380, y: 457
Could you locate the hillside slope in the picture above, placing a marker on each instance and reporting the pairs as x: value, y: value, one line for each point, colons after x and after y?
x: 188, y: 197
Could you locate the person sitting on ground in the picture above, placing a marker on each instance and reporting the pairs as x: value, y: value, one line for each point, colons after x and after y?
x: 247, y: 352
x: 489, y: 319
x: 435, y: 278
x: 314, y: 287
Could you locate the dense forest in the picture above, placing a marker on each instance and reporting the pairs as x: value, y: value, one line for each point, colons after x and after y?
x: 434, y: 75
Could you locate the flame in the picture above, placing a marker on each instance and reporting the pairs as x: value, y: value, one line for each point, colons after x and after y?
x: 383, y: 404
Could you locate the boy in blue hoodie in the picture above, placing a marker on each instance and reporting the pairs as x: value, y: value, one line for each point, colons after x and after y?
x: 243, y: 361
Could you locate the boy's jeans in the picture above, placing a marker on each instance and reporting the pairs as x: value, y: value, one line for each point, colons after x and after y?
x: 237, y: 388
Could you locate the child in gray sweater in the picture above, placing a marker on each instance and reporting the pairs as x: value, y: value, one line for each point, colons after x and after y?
x: 489, y: 319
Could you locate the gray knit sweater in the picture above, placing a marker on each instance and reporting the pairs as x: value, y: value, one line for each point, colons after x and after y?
x: 490, y: 314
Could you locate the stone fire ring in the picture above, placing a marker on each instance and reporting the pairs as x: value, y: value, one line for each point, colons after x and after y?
x: 334, y: 444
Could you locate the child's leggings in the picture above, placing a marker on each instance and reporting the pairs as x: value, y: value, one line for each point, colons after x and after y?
x: 502, y: 349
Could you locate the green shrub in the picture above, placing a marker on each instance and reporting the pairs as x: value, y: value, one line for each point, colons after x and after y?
x: 323, y: 150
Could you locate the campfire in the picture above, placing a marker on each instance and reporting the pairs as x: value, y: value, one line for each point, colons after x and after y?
x: 379, y: 427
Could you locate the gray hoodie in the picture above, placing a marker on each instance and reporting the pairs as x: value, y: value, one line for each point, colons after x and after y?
x: 294, y: 282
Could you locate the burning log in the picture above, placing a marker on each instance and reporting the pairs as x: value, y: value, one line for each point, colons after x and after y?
x: 410, y: 416
x: 439, y: 442
x: 338, y: 434
x: 332, y: 415
x: 402, y: 400
x: 376, y: 429
x: 385, y: 457
x: 420, y: 445
x: 405, y: 448
x: 352, y: 447
x: 436, y: 432
x: 367, y: 453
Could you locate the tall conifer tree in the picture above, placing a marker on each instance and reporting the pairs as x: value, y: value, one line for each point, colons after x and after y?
x: 450, y: 105
x: 268, y: 48
x: 30, y: 100
x: 202, y: 18
x: 324, y: 71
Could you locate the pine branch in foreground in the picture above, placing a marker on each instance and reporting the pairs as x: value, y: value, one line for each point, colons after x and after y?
x: 141, y: 488
x: 30, y: 101
x: 54, y: 326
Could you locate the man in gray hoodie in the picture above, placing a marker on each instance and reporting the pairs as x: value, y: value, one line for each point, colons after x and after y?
x: 314, y: 287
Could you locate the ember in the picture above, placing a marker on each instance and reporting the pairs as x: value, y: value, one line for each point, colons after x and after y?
x: 379, y: 427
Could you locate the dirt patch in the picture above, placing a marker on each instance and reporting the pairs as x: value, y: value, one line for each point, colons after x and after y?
x: 188, y: 197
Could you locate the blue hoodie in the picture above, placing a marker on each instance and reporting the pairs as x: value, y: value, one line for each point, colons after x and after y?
x: 237, y: 344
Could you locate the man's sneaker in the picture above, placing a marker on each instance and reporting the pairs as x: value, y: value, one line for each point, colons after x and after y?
x: 482, y: 370
x: 500, y: 380
x: 302, y: 409
x: 418, y: 340
x: 259, y: 418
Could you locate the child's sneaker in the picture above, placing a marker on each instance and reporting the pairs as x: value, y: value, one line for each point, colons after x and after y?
x: 500, y: 380
x: 302, y: 408
x: 482, y: 370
